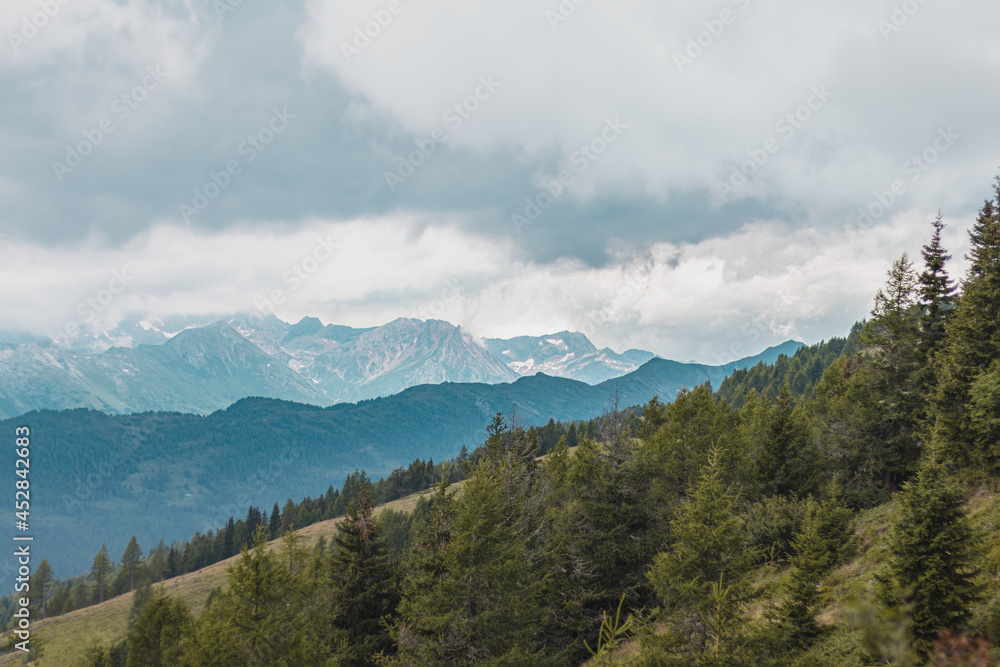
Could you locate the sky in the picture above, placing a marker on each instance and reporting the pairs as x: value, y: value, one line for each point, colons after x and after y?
x: 700, y: 180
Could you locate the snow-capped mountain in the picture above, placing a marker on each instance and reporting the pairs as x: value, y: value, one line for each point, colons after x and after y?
x: 189, y: 366
x: 565, y: 354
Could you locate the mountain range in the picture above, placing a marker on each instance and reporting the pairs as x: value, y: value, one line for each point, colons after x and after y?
x: 98, y: 477
x: 201, y: 369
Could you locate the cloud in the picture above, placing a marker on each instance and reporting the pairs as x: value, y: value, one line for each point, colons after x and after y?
x: 713, y: 300
x: 690, y: 125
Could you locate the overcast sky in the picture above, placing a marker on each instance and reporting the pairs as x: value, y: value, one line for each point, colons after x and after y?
x: 685, y: 179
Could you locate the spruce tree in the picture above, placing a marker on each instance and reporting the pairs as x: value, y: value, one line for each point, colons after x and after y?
x: 229, y: 539
x: 480, y: 596
x: 937, y: 291
x: 41, y: 585
x: 705, y: 575
x: 365, y: 585
x: 816, y: 549
x: 973, y: 343
x: 274, y: 523
x: 425, y: 633
x: 155, y: 635
x: 248, y: 623
x: 100, y: 571
x: 131, y: 560
x: 932, y: 562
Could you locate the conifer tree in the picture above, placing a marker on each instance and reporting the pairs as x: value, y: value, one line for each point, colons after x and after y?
x: 481, y: 601
x: 100, y: 571
x: 274, y: 524
x: 704, y: 576
x: 937, y: 291
x: 816, y: 549
x: 252, y: 621
x: 783, y: 462
x: 973, y: 343
x: 155, y: 635
x: 41, y: 585
x: 365, y: 585
x: 425, y: 634
x: 229, y: 539
x: 932, y: 562
x: 131, y: 560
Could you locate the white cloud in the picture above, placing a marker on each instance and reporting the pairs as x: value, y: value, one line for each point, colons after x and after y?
x: 715, y: 300
x: 84, y: 53
x: 690, y: 128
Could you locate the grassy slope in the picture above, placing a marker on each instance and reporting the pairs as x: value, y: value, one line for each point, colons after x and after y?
x: 66, y: 635
x: 857, y: 578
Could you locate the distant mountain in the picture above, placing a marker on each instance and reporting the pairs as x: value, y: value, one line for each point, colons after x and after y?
x: 354, y: 364
x: 200, y: 369
x: 102, y: 477
x: 565, y: 354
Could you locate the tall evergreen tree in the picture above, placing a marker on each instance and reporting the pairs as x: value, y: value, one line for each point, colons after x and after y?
x: 41, y: 585
x: 131, y: 560
x: 973, y: 343
x: 100, y: 571
x: 932, y: 563
x: 155, y: 635
x: 704, y: 576
x: 365, y: 584
x: 274, y: 523
x: 816, y: 549
x: 937, y: 291
x: 251, y: 622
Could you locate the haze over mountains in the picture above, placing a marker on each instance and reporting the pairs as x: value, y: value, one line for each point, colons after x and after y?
x: 202, y: 369
x: 165, y: 475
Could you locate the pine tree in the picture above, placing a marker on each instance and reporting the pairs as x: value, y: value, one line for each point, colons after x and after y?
x: 425, y: 634
x: 229, y: 539
x: 483, y: 606
x: 41, y: 584
x: 932, y: 562
x: 365, y: 585
x: 973, y: 342
x: 100, y: 571
x: 937, y: 291
x: 816, y: 549
x: 154, y: 637
x: 274, y: 524
x: 704, y: 576
x: 249, y: 622
x: 131, y: 560
x: 784, y: 457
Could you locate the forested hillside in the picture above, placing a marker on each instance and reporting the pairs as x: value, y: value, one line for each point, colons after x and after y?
x: 713, y: 535
x: 166, y: 475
